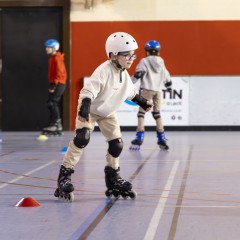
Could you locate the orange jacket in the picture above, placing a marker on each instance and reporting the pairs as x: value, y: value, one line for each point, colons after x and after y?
x: 57, y: 71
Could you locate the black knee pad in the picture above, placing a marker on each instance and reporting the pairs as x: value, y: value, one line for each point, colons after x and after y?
x: 82, y: 137
x: 115, y: 147
x: 156, y: 115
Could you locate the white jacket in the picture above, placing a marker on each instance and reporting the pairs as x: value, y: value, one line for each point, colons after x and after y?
x: 108, y: 88
x: 155, y: 73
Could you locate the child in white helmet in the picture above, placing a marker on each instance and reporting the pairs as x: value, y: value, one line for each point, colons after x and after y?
x: 57, y: 77
x: 108, y: 86
x: 153, y: 74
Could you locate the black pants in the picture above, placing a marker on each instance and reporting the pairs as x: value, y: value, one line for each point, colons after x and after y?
x: 53, y: 102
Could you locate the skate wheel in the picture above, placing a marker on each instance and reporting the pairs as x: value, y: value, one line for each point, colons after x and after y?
x: 66, y: 197
x: 132, y: 194
x: 134, y: 147
x: 116, y: 195
x: 70, y: 197
x: 124, y: 195
x: 56, y: 193
x: 107, y: 193
x: 163, y: 147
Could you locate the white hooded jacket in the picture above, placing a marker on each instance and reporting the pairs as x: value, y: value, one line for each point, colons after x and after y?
x: 155, y: 73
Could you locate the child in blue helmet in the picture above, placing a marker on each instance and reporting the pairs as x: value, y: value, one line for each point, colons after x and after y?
x: 57, y: 76
x: 152, y: 73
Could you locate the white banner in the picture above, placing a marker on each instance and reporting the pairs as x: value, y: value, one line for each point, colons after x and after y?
x: 174, y: 107
x: 175, y: 104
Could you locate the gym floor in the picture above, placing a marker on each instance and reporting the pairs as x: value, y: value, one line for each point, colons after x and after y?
x: 187, y: 193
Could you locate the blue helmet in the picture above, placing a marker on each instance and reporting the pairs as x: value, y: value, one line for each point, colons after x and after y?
x: 152, y: 46
x: 52, y: 43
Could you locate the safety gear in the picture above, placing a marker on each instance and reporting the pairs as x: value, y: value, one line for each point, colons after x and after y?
x: 120, y: 42
x: 156, y: 115
x: 85, y: 108
x: 139, y: 74
x: 141, y: 114
x: 142, y: 102
x: 168, y: 85
x: 152, y: 46
x: 82, y: 137
x: 115, y: 147
x: 52, y: 43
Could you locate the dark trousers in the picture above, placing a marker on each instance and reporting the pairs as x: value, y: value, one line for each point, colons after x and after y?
x: 53, y: 102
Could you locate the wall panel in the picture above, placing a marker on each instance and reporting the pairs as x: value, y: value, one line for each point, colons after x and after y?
x: 188, y: 47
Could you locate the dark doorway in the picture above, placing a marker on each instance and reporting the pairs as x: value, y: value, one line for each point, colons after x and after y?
x: 24, y: 65
x: 32, y: 21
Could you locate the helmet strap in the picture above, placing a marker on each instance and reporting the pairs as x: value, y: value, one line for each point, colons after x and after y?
x: 117, y: 64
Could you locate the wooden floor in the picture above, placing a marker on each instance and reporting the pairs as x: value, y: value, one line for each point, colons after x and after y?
x: 190, y: 192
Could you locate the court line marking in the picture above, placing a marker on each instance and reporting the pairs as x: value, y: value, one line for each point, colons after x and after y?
x: 92, y: 221
x: 28, y: 173
x: 88, y: 226
x: 176, y: 214
x: 152, y: 227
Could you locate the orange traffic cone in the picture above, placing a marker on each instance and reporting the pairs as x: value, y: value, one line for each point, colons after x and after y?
x: 27, y: 202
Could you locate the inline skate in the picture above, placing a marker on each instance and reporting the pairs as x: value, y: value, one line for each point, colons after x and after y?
x: 65, y: 188
x: 162, y: 141
x: 54, y: 129
x: 137, y: 142
x: 116, y: 186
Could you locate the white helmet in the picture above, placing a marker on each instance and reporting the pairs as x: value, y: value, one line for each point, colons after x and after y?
x: 120, y: 42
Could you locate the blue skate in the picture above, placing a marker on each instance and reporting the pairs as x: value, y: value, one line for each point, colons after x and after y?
x: 137, y: 142
x: 162, y: 141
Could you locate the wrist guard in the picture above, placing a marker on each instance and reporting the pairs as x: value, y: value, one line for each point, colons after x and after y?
x: 139, y: 74
x: 142, y: 102
x: 85, y: 108
x: 168, y: 85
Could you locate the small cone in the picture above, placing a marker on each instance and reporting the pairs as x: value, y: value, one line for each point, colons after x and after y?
x: 64, y: 149
x: 42, y: 137
x: 27, y: 202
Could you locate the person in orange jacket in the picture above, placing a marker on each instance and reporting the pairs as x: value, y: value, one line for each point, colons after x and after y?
x: 57, y: 76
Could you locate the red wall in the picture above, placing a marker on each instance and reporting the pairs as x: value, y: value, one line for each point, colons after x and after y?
x: 188, y: 48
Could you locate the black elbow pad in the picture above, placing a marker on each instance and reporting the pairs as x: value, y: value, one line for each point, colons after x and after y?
x: 139, y: 74
x: 142, y: 102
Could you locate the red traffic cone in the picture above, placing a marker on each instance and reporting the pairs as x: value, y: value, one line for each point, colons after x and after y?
x: 27, y: 202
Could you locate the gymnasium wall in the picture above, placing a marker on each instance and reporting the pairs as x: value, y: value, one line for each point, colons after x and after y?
x: 194, y: 45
